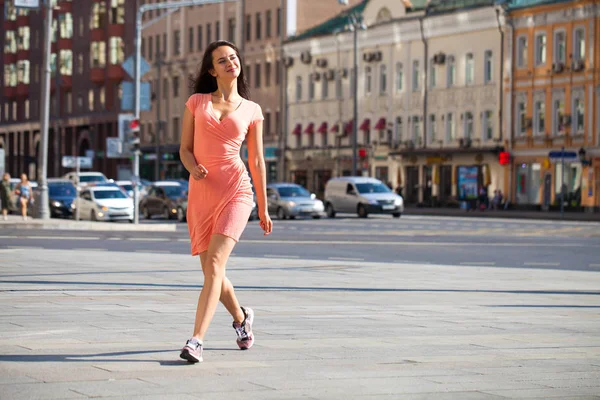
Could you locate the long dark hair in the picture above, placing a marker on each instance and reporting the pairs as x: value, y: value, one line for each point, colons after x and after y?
x: 206, y: 83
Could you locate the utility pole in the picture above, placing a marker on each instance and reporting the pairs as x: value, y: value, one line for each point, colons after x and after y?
x: 355, y: 101
x: 159, y: 63
x: 282, y: 94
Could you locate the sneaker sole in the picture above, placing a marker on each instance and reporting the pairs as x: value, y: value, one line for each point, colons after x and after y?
x: 243, y: 345
x: 186, y: 355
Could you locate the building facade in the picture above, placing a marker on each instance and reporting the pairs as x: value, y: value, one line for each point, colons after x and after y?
x: 429, y: 98
x: 553, y: 91
x: 174, y: 47
x: 89, y: 43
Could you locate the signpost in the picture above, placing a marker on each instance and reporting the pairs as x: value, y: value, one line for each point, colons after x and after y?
x: 77, y: 163
x: 27, y: 3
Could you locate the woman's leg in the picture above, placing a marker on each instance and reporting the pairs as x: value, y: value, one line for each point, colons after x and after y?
x: 24, y: 207
x: 228, y: 298
x: 216, y: 257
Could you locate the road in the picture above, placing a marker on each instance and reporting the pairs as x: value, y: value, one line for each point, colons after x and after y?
x: 411, y: 239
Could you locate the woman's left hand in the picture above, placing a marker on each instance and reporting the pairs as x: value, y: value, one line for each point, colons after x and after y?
x: 265, y: 222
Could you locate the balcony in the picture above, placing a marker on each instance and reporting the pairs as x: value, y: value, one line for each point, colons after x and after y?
x: 22, y: 90
x: 65, y: 44
x: 65, y: 7
x: 10, y: 92
x: 10, y: 25
x: 115, y: 72
x: 22, y: 55
x: 23, y: 20
x: 10, y: 58
x: 97, y: 75
x: 98, y: 35
x: 116, y: 30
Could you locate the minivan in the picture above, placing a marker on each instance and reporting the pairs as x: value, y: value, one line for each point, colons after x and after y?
x: 361, y: 195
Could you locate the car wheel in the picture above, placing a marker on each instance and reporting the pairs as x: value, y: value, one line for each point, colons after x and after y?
x: 131, y: 221
x: 147, y: 214
x: 280, y: 213
x: 93, y: 216
x: 330, y: 211
x: 316, y: 217
x: 362, y: 211
x: 166, y: 213
x: 396, y: 215
x: 180, y: 215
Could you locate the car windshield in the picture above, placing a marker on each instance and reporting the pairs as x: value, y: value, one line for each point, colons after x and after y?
x: 127, y: 187
x: 372, y: 188
x: 91, y: 178
x: 109, y: 194
x: 293, y: 191
x: 174, y: 191
x: 66, y: 189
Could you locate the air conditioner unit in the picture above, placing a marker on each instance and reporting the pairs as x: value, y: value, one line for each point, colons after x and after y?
x: 578, y: 65
x: 376, y: 56
x: 557, y: 68
x: 367, y: 57
x: 322, y: 62
x: 305, y: 57
x: 343, y: 72
x: 439, y: 58
x: 316, y: 76
x: 330, y: 75
x: 288, y: 62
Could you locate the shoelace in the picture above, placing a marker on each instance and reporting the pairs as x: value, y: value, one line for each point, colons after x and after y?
x: 241, y: 332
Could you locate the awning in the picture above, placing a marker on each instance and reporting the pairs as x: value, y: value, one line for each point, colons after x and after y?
x: 335, y: 128
x: 366, y: 125
x: 310, y: 129
x: 348, y: 127
x: 297, y: 130
x: 322, y: 128
x: 380, y: 124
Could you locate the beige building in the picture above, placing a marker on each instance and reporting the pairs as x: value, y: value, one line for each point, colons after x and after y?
x: 428, y: 90
x: 174, y: 47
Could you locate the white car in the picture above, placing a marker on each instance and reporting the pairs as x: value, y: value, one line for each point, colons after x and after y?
x: 105, y: 203
x: 127, y: 186
x: 85, y: 178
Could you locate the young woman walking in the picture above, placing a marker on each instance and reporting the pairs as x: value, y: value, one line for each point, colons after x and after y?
x: 216, y: 121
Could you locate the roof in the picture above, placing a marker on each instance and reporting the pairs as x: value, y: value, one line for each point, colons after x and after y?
x: 444, y: 6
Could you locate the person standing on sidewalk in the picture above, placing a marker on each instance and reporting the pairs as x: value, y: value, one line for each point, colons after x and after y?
x: 216, y: 121
x: 5, y: 195
x: 23, y: 190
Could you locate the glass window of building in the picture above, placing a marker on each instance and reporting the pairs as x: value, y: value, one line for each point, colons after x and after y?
x: 98, y: 15
x: 468, y: 125
x: 432, y: 128
x: 539, y: 117
x: 469, y: 69
x: 268, y: 23
x: 432, y: 74
x: 560, y: 47
x: 248, y: 27
x: 177, y: 42
x: 98, y: 55
x: 53, y: 57
x: 208, y: 34
x: 231, y: 30
x: 540, y: 49
x: 218, y: 30
x: 65, y: 22
x: 522, y: 52
x: 579, y: 44
x: 338, y: 86
x: 368, y: 80
x: 399, y: 77
x: 324, y: 88
x: 257, y: 75
x: 488, y: 65
x: 268, y: 74
x: 450, y: 128
x: 416, y: 79
x: 311, y: 87
x: 23, y: 71
x: 117, y: 11
x: 579, y: 117
x: 450, y: 72
x: 10, y: 42
x: 382, y: 79
x: 175, y: 86
x: 521, y: 127
x: 66, y: 62
x: 258, y: 26
x: 416, y: 132
x: 24, y: 38
x: 278, y: 22
x: 199, y: 42
x: 117, y: 53
x: 558, y: 110
x: 10, y: 11
x: 488, y: 125
x: 102, y: 98
x: 191, y: 39
x: 91, y: 105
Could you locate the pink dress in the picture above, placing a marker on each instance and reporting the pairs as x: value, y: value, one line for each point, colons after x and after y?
x: 220, y: 203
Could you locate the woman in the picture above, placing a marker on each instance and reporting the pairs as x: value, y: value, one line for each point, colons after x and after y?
x: 216, y: 120
x: 5, y: 194
x: 23, y: 190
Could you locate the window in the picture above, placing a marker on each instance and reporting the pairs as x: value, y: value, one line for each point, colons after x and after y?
x: 450, y: 128
x: 69, y: 102
x: 102, y: 98
x: 268, y: 23
x: 191, y: 40
x: 579, y: 115
x: 23, y: 74
x: 65, y: 22
x: 539, y: 117
x: 415, y: 76
x: 66, y: 62
x: 26, y: 107
x: 98, y: 55
x: 91, y: 100
x: 368, y: 80
x: 268, y: 74
x: 165, y: 92
x: 208, y: 34
x: 162, y: 53
x: 231, y: 30
x: 432, y: 129
x: 248, y: 74
x: 398, y: 130
x: 277, y: 72
x: 579, y: 44
x: 53, y: 64
x: 324, y: 88
x: 218, y: 30
x: 522, y: 52
x: 558, y: 110
x: 117, y: 53
x: 451, y: 72
x: 199, y: 37
x: 176, y: 127
x: 311, y: 87
x: 540, y: 49
x: 560, y: 47
x: 488, y: 125
x: 521, y: 127
x: 54, y: 30
x: 248, y: 28
x: 267, y: 124
x: 382, y: 79
x: 175, y: 86
x: 432, y: 74
x: 469, y: 69
x: 258, y: 26
x: 177, y: 42
x: 81, y: 26
x: 117, y: 11
x: 80, y: 102
x: 10, y: 43
x: 257, y: 76
x: 98, y: 15
x: 150, y: 48
x: 468, y: 134
x: 416, y: 132
x: 24, y: 38
x: 488, y: 62
x: 80, y: 64
x: 399, y: 77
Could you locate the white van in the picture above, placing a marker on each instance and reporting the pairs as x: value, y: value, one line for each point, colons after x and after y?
x: 361, y: 195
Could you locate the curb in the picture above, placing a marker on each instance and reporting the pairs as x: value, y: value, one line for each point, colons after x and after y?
x: 88, y: 226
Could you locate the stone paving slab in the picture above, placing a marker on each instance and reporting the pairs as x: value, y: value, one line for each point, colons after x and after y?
x: 83, y: 324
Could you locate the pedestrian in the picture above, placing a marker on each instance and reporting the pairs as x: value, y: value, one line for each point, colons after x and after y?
x: 5, y: 195
x: 23, y: 191
x: 218, y: 117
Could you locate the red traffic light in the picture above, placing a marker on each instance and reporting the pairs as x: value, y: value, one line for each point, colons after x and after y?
x: 362, y: 153
x: 134, y: 125
x: 504, y: 158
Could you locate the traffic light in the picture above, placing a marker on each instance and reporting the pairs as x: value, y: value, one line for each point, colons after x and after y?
x: 504, y: 158
x: 133, y: 136
x: 362, y: 153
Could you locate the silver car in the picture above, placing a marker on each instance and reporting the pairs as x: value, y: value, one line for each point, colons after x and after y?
x: 289, y: 200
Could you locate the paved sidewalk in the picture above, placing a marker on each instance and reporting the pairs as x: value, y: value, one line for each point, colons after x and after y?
x: 514, y: 214
x: 17, y: 222
x: 79, y: 324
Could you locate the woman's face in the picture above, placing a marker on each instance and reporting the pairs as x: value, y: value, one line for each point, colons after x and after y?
x: 24, y: 178
x: 6, y: 176
x: 226, y: 64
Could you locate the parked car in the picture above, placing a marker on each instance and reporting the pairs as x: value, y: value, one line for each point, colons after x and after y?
x: 164, y: 198
x: 61, y: 198
x: 361, y: 195
x: 127, y: 186
x: 105, y: 203
x: 289, y: 200
x: 85, y: 178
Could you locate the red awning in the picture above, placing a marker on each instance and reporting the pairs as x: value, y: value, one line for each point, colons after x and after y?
x: 348, y: 127
x: 380, y: 124
x: 335, y: 128
x: 366, y: 125
x: 297, y: 130
x: 310, y: 129
x: 322, y: 128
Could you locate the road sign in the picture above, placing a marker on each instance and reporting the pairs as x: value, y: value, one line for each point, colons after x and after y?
x: 128, y: 96
x: 560, y: 156
x: 71, y: 162
x: 129, y: 66
x: 114, y: 147
x: 27, y: 3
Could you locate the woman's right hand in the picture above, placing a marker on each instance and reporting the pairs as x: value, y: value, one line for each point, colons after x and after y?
x: 199, y: 172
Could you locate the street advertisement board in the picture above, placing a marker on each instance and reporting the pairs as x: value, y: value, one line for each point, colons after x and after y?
x: 468, y: 182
